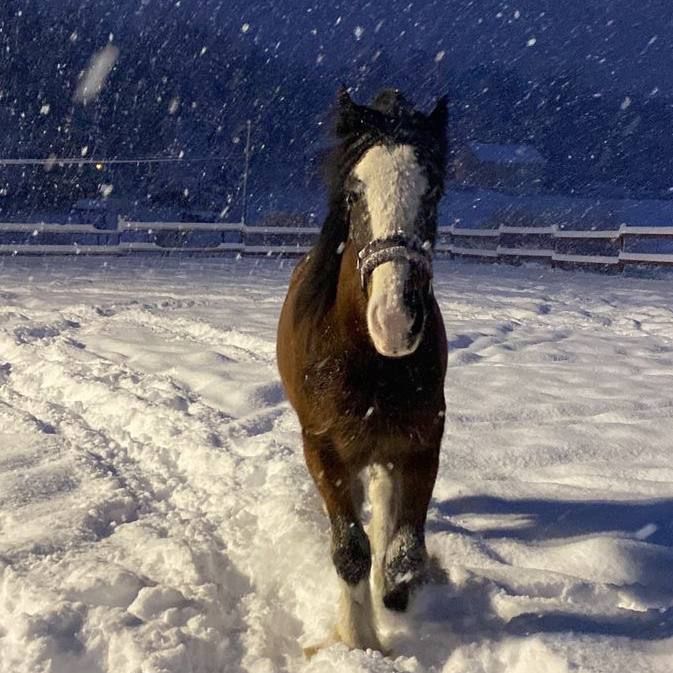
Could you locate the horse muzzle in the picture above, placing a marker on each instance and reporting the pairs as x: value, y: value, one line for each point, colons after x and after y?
x: 395, y: 312
x: 397, y: 271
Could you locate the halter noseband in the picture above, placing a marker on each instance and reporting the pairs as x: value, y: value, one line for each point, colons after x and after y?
x: 396, y: 247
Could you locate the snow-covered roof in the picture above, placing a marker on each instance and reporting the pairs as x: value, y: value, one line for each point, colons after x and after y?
x: 487, y: 209
x: 100, y: 204
x: 506, y: 154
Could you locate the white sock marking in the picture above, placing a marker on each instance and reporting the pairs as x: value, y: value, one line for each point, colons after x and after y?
x: 382, y: 497
x: 355, y: 626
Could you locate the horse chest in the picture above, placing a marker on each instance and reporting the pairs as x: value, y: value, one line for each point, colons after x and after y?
x: 371, y: 401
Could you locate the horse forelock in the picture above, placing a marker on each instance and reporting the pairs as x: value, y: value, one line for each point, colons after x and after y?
x: 346, y: 155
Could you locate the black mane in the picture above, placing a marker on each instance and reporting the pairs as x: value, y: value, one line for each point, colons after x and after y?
x: 390, y: 119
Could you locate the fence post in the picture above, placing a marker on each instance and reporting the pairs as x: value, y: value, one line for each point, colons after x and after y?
x: 244, y: 214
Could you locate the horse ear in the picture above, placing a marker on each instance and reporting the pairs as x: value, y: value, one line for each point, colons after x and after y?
x: 349, y: 115
x: 439, y: 117
x: 344, y: 98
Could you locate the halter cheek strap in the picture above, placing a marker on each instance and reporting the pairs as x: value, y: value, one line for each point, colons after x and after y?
x: 396, y: 247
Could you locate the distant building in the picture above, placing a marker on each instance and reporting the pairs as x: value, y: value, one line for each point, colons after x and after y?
x: 511, y: 168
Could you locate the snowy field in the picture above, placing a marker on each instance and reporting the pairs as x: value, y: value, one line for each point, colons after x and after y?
x: 156, y: 514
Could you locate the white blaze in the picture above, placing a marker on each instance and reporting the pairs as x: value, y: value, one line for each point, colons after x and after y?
x: 394, y: 184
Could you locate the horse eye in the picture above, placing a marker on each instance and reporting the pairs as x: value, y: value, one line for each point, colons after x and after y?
x: 352, y: 197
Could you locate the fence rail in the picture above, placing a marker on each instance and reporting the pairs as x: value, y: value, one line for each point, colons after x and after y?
x: 608, y: 248
x: 563, y: 246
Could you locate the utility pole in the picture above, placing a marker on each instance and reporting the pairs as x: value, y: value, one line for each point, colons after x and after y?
x: 244, y: 215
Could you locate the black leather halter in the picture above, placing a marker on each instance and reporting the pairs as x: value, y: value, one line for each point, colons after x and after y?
x: 396, y: 247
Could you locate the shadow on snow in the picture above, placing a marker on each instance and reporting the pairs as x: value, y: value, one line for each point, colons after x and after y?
x: 452, y: 616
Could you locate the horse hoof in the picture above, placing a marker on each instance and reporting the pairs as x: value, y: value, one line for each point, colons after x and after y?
x: 368, y: 642
x: 397, y: 599
x: 363, y: 642
x: 312, y: 650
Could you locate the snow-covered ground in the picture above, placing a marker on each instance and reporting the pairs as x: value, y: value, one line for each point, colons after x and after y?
x: 156, y: 515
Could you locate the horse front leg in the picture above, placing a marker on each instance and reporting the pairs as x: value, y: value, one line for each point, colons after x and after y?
x: 351, y: 553
x: 406, y: 556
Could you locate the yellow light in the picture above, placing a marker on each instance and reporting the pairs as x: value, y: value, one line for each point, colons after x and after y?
x: 99, y: 167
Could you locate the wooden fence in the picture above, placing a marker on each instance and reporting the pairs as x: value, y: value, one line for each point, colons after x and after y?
x: 562, y: 246
x: 159, y: 238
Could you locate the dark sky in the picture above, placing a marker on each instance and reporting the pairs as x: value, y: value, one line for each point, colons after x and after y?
x: 623, y: 45
x: 613, y: 44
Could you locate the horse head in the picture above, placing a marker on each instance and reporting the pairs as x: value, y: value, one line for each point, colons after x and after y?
x: 391, y: 180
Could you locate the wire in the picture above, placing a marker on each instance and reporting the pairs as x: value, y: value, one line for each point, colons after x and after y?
x: 72, y: 161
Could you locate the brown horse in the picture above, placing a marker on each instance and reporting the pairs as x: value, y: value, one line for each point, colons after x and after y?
x: 362, y: 351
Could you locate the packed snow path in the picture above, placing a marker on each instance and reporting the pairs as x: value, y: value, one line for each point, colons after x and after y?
x: 156, y: 515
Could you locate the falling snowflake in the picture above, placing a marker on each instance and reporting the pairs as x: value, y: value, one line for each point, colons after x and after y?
x: 646, y: 531
x: 95, y: 76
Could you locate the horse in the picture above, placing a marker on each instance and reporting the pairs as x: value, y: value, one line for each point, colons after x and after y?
x: 362, y: 352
